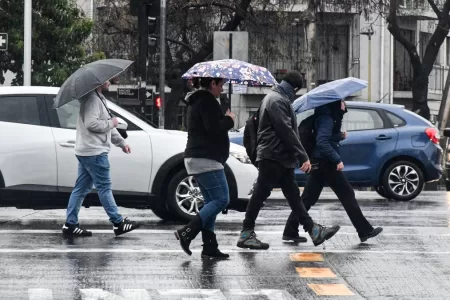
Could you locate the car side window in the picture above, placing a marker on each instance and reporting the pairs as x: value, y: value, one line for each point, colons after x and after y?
x: 22, y: 109
x: 131, y: 125
x: 68, y: 115
x: 396, y: 120
x: 362, y: 119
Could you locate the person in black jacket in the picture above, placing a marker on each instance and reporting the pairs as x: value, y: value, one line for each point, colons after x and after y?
x: 207, y: 150
x: 279, y: 151
x: 327, y: 167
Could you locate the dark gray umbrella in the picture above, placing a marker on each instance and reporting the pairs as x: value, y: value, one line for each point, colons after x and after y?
x: 88, y: 78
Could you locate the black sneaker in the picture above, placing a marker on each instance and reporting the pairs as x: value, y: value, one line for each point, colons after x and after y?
x: 295, y: 238
x: 75, y: 230
x: 125, y: 226
x: 372, y: 234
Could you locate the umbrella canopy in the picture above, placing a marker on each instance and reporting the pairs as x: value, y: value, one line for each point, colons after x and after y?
x: 328, y: 92
x: 233, y: 70
x: 88, y: 78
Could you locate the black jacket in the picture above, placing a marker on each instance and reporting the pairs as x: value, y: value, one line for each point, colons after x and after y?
x: 207, y: 128
x: 328, y: 127
x: 278, y: 137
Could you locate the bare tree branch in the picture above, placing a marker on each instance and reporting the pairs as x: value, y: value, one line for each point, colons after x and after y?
x: 394, y: 29
x: 189, y: 48
x: 435, y: 8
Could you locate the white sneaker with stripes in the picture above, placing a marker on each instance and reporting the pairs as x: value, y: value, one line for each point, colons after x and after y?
x: 125, y: 226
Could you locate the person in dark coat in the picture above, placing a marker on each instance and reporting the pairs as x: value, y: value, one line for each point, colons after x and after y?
x: 279, y: 151
x: 206, y: 152
x: 327, y: 167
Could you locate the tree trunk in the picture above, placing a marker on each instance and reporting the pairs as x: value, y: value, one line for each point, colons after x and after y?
x: 420, y: 95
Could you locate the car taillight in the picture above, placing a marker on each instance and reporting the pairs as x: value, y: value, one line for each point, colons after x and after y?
x: 433, y: 135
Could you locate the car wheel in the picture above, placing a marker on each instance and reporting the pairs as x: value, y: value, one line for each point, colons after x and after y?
x: 403, y: 181
x: 163, y: 213
x: 380, y: 190
x: 184, y: 197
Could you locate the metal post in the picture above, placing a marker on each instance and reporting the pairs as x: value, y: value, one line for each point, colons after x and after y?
x: 370, y: 70
x: 230, y: 53
x: 162, y: 63
x: 27, y: 43
x: 142, y: 61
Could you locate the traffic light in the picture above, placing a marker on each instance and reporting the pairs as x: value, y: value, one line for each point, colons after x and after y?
x: 153, y: 7
x: 157, y: 102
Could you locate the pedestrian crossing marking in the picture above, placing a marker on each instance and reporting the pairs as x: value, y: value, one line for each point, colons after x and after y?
x: 306, y: 257
x: 179, y: 294
x: 315, y: 272
x: 40, y: 294
x: 331, y: 289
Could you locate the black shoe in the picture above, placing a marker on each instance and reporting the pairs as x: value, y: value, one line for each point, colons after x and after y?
x: 75, y: 230
x: 320, y: 234
x: 210, y: 246
x: 374, y: 233
x: 187, y: 233
x: 295, y: 238
x: 125, y: 226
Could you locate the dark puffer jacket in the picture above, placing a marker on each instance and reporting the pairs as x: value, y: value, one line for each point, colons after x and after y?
x: 328, y: 133
x: 207, y: 128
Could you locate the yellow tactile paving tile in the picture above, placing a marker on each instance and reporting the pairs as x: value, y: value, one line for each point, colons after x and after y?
x: 330, y: 289
x: 306, y: 257
x: 315, y: 272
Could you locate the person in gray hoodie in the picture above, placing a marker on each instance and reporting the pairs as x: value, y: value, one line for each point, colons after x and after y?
x: 96, y: 131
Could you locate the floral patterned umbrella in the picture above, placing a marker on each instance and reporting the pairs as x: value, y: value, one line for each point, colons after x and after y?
x: 234, y: 71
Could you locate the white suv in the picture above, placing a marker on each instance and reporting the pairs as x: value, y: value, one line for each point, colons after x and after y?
x: 38, y: 167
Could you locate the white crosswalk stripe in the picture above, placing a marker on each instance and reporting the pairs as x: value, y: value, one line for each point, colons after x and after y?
x: 178, y: 294
x: 40, y: 294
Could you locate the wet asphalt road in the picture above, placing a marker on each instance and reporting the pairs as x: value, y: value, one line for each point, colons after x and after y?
x: 410, y: 260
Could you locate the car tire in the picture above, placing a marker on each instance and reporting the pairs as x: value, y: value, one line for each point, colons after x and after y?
x: 403, y: 181
x: 183, y: 184
x: 163, y: 213
x: 380, y: 191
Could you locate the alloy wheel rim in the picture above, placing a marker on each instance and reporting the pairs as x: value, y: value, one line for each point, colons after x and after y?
x: 188, y: 196
x: 403, y: 180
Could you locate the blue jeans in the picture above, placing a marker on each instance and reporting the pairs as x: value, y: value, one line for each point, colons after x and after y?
x: 93, y: 170
x: 214, y: 188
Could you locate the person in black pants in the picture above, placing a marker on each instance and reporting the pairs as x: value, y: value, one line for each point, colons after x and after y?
x: 279, y: 150
x: 327, y: 167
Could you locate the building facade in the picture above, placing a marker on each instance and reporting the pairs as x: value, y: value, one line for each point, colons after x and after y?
x: 347, y: 44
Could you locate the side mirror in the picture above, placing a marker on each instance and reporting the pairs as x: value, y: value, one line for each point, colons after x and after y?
x: 122, y: 124
x: 447, y: 132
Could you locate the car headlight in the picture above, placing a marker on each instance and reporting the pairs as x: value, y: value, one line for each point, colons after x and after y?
x: 241, y: 156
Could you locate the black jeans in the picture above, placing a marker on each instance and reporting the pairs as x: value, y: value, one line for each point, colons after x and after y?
x: 325, y: 172
x: 272, y: 173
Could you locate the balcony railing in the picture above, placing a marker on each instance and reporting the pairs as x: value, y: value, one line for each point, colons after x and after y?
x: 436, y: 80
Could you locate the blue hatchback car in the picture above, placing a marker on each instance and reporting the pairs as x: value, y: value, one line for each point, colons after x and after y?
x: 388, y: 147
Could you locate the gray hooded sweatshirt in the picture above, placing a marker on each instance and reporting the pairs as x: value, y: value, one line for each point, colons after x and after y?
x: 95, y: 129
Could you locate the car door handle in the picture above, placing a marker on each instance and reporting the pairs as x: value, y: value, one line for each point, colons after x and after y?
x: 383, y: 137
x: 68, y: 144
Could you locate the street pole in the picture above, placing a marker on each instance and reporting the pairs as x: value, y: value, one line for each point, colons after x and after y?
x: 142, y: 60
x: 230, y: 55
x: 27, y: 43
x: 369, y: 34
x: 162, y: 63
x: 370, y: 69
